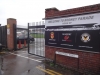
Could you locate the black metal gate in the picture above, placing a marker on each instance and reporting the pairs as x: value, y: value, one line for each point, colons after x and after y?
x: 3, y: 35
x: 19, y: 36
x: 37, y: 47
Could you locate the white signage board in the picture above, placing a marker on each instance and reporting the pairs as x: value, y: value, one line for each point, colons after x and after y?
x: 8, y: 31
x: 67, y: 54
x: 73, y: 20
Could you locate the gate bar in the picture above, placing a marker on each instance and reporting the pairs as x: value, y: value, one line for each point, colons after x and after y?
x: 0, y: 33
x: 15, y: 37
x: 28, y: 38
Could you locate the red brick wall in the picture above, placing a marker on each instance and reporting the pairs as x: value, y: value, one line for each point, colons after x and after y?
x: 87, y: 60
x: 51, y: 12
x: 10, y: 37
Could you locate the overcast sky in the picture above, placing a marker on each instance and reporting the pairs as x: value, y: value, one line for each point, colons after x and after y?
x: 34, y: 10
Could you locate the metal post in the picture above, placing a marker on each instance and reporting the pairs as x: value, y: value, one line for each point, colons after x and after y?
x: 6, y: 36
x: 0, y: 33
x: 0, y: 65
x: 78, y: 66
x: 55, y: 59
x: 28, y: 38
x: 15, y: 38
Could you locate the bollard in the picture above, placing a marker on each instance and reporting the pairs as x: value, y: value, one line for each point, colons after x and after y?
x: 19, y: 44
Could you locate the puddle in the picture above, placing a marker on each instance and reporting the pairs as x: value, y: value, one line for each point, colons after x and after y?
x: 1, y: 72
x: 26, y: 72
x: 1, y: 65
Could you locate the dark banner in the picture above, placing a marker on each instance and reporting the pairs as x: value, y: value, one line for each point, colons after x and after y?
x: 51, y: 38
x: 87, y: 40
x: 67, y: 39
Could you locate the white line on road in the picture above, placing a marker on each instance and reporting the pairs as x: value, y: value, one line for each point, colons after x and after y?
x: 25, y: 57
x: 24, y: 53
x: 40, y: 59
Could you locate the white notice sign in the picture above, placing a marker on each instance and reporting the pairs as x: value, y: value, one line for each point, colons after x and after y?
x: 67, y: 54
x: 8, y: 31
x: 74, y: 20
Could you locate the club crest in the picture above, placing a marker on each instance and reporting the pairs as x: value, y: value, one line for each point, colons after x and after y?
x: 52, y: 35
x: 85, y: 37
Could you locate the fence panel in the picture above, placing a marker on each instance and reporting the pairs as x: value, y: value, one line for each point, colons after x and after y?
x: 3, y: 35
x: 37, y: 47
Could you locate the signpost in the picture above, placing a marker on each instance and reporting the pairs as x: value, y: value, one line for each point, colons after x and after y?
x: 8, y: 29
x: 67, y: 54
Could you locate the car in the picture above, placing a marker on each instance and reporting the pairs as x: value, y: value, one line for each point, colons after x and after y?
x: 31, y: 38
x: 22, y: 37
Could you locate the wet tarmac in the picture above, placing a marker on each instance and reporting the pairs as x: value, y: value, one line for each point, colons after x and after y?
x: 22, y: 63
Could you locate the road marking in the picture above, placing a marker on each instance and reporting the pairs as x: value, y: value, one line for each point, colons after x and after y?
x: 2, y: 52
x: 24, y: 53
x: 40, y: 59
x: 20, y: 51
x: 25, y: 57
x: 51, y: 72
x: 45, y: 70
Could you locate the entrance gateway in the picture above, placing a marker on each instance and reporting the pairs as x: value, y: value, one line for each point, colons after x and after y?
x: 73, y: 36
x: 38, y: 46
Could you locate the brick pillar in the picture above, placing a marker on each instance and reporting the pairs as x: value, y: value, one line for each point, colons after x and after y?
x: 10, y: 34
